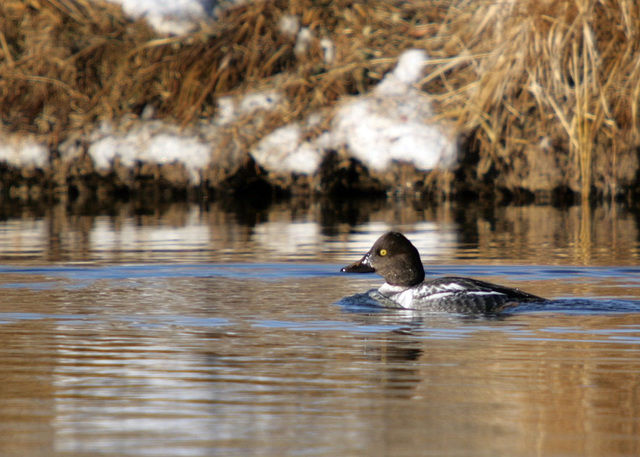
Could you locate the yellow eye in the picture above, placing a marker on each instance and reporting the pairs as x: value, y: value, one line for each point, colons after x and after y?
x: 383, y: 252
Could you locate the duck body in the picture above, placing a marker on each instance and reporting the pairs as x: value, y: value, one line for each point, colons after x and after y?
x: 398, y: 262
x: 453, y: 295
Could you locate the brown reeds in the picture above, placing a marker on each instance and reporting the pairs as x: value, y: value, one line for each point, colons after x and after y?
x: 525, y: 79
x: 66, y: 63
x: 546, y: 74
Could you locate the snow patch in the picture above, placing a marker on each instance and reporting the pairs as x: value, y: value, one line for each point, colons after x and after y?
x: 289, y: 25
x: 171, y: 17
x: 303, y: 42
x: 151, y: 142
x: 284, y: 150
x: 379, y: 130
x: 394, y: 122
x: 410, y: 66
x: 23, y: 152
x: 230, y: 109
x: 174, y: 17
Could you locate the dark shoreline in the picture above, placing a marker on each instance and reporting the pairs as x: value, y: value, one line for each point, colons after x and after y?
x: 338, y: 178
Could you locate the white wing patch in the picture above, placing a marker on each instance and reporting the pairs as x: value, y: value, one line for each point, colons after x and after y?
x: 438, y: 295
x: 485, y: 292
x: 406, y: 297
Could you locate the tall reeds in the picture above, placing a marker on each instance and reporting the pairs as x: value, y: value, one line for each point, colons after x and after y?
x: 555, y: 73
x: 522, y: 77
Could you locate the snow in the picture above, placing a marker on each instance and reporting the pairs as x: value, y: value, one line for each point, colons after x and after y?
x: 231, y: 109
x: 289, y: 25
x: 328, y: 51
x: 152, y: 141
x: 410, y: 67
x: 20, y: 151
x: 392, y: 123
x: 172, y: 17
x: 283, y: 150
x: 303, y: 42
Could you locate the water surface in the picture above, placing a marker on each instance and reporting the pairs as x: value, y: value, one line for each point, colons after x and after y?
x: 204, y: 331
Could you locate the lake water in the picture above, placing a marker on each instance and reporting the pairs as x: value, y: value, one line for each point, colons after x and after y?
x: 218, y: 330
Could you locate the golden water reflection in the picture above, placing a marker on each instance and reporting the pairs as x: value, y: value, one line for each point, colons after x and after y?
x: 149, y: 333
x: 535, y: 235
x: 243, y: 376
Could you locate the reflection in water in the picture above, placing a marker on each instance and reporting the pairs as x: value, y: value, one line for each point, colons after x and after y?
x: 184, y: 232
x: 537, y: 235
x: 188, y: 331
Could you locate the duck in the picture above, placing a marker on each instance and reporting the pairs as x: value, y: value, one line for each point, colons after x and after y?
x: 398, y: 261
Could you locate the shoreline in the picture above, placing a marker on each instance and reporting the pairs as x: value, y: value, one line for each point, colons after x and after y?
x: 258, y: 103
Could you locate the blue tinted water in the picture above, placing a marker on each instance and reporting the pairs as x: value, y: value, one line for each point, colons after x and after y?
x: 627, y: 279
x: 212, y: 338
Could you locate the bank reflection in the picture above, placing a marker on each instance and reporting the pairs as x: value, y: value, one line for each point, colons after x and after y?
x: 565, y: 386
x: 318, y: 230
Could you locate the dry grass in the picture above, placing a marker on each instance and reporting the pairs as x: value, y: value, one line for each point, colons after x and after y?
x: 516, y: 75
x: 66, y: 63
x: 561, y: 74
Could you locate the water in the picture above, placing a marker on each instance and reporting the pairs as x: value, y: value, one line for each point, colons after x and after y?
x: 207, y: 331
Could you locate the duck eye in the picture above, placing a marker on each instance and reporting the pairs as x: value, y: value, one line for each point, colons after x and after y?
x: 383, y: 252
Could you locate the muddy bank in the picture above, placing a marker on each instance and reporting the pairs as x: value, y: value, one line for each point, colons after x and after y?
x: 539, y: 98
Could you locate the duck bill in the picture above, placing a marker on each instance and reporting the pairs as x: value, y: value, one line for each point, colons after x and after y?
x: 361, y: 266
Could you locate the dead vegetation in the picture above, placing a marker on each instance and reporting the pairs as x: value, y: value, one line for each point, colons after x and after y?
x: 553, y: 84
x: 546, y: 92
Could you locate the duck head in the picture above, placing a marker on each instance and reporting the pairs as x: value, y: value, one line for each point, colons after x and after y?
x: 394, y: 258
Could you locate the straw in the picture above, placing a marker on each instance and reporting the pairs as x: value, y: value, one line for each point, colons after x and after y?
x: 520, y: 78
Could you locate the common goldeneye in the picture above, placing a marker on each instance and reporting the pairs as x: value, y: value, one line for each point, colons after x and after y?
x: 397, y: 260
